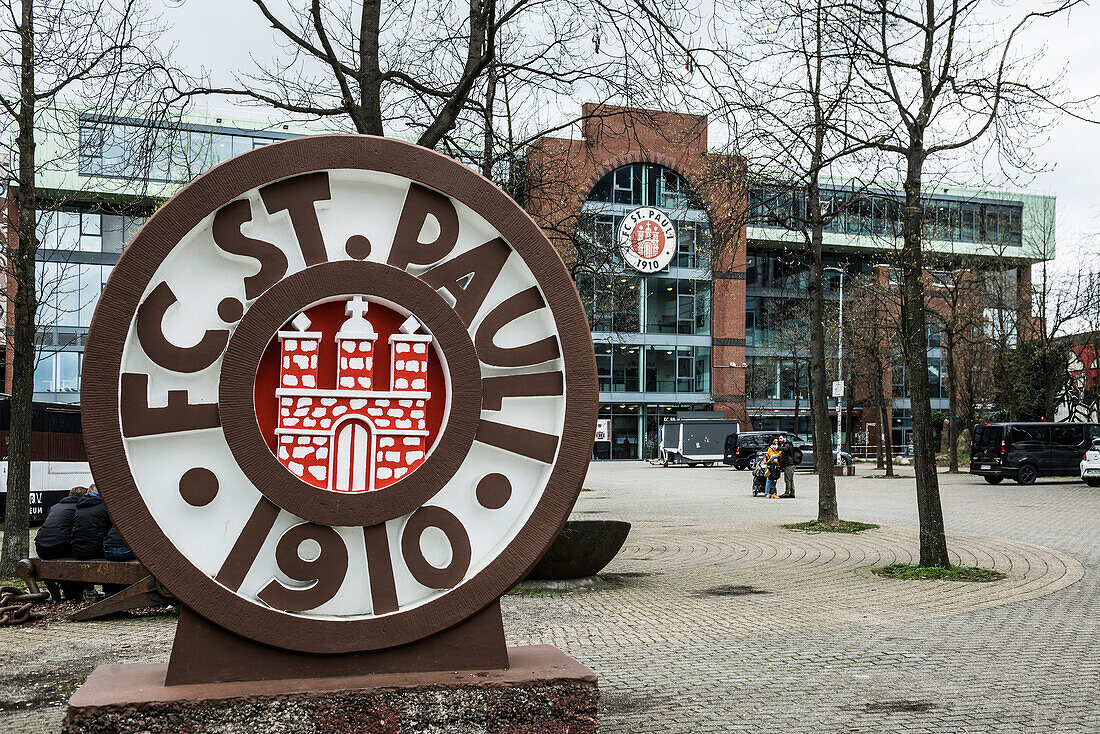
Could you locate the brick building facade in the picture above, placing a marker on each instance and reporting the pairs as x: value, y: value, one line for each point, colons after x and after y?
x: 562, y: 173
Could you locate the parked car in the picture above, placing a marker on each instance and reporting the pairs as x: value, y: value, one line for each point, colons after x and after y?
x: 1027, y: 451
x: 840, y: 458
x: 741, y: 449
x: 1090, y: 464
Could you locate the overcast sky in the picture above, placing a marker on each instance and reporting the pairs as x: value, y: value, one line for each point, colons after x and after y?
x: 220, y: 35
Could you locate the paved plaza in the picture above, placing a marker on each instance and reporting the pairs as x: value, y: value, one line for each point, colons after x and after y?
x: 714, y: 619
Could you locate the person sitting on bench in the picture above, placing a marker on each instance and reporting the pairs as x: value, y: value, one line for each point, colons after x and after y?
x: 52, y: 539
x: 90, y: 526
x: 115, y: 548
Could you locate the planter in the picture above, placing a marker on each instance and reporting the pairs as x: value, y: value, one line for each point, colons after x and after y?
x: 583, y: 548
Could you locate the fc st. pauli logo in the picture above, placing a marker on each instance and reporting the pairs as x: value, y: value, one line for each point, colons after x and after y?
x: 647, y: 239
x: 326, y: 394
x: 355, y: 412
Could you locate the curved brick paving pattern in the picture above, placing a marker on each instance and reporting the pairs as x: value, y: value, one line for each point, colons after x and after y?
x: 692, y: 582
x: 712, y: 619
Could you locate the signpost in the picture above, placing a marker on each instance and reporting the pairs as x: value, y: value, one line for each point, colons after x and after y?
x: 339, y: 396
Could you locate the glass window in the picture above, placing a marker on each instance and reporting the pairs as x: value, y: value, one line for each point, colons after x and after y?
x: 685, y: 370
x: 67, y: 287
x: 68, y: 372
x: 988, y: 436
x: 603, y: 366
x: 702, y: 307
x: 626, y: 423
x: 43, y: 374
x: 769, y: 374
x: 91, y: 283
x: 1020, y: 434
x: 702, y: 369
x: 47, y: 274
x: 1068, y: 435
x: 660, y: 369
x: 625, y: 368
x: 612, y: 303
x: 68, y: 230
x: 89, y: 224
x: 661, y: 300
x: 969, y: 228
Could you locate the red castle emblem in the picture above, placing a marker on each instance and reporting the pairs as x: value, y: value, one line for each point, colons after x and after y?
x: 647, y: 239
x: 353, y: 437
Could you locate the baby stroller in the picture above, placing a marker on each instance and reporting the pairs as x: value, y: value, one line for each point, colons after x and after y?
x: 759, y: 475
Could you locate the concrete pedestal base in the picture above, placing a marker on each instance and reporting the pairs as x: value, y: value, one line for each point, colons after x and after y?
x: 543, y: 691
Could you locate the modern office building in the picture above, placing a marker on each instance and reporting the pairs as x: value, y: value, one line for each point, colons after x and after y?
x: 711, y: 329
x: 97, y: 186
x: 696, y: 319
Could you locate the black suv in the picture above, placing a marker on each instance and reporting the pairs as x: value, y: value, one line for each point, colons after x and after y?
x: 741, y: 447
x: 1026, y: 451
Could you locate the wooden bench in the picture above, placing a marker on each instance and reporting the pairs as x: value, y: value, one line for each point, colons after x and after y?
x: 141, y: 589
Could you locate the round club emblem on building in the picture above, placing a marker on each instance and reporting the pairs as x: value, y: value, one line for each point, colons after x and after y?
x: 647, y: 239
x: 339, y: 394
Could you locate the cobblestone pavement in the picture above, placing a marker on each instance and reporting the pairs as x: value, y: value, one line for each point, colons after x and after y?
x: 713, y: 619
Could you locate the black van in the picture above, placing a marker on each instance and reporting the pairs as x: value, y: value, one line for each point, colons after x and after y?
x: 1025, y: 451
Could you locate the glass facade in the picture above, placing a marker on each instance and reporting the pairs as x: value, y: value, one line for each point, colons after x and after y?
x: 134, y: 149
x: 656, y: 304
x: 79, y: 244
x: 952, y: 219
x: 652, y: 333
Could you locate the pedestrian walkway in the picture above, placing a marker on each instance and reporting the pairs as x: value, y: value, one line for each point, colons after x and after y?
x: 714, y: 619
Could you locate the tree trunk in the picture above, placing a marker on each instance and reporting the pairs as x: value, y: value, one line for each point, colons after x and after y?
x: 933, y: 542
x: 948, y: 368
x: 370, y: 87
x: 487, y: 136
x: 849, y: 407
x: 797, y: 397
x: 24, y: 304
x: 883, y: 419
x: 827, y: 511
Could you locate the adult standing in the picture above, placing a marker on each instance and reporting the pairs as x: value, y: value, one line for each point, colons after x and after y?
x: 787, y: 462
x: 771, y: 460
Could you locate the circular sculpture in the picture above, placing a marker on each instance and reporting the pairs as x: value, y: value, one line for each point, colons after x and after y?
x: 339, y: 394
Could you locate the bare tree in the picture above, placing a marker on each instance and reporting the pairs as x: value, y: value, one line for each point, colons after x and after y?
x: 60, y: 57
x: 797, y: 98
x: 449, y: 75
x: 936, y: 79
x: 872, y: 330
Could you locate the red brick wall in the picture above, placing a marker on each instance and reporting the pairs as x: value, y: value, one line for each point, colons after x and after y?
x: 561, y: 174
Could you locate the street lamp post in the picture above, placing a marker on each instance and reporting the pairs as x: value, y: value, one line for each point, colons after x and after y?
x: 839, y: 357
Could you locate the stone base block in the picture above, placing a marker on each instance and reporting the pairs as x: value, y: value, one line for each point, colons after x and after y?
x: 543, y: 692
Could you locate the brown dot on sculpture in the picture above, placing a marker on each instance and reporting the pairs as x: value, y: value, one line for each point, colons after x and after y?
x: 357, y: 247
x: 493, y: 491
x: 230, y: 310
x: 198, y: 486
